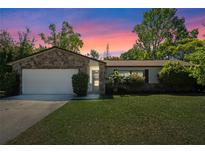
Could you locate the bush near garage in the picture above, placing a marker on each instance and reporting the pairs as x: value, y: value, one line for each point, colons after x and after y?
x: 176, y: 77
x: 80, y: 84
x: 4, y: 69
x: 9, y: 81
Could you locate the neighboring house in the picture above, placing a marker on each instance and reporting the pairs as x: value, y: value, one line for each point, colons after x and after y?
x: 50, y: 71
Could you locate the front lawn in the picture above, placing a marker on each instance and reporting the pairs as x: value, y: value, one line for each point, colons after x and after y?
x: 152, y: 119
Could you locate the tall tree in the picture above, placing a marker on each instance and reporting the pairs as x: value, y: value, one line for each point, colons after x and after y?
x: 180, y: 50
x: 160, y: 25
x: 135, y: 53
x: 7, y: 46
x: 25, y: 44
x: 66, y: 38
x: 94, y: 54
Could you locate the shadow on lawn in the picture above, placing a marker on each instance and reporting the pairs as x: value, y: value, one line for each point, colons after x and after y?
x: 106, y: 97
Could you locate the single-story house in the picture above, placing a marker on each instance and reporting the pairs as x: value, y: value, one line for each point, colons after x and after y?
x: 50, y: 71
x: 148, y: 69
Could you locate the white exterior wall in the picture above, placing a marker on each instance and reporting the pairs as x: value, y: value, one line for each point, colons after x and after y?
x: 153, y: 71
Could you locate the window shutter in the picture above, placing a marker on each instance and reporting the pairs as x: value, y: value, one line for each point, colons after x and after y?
x: 146, y: 76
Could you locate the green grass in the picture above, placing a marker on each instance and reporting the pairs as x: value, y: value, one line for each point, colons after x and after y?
x: 152, y: 119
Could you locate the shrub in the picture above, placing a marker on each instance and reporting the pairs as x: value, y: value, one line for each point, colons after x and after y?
x: 175, y: 77
x: 109, y: 88
x: 80, y: 84
x: 135, y: 80
x: 9, y: 82
x: 119, y: 84
x: 115, y: 79
x: 4, y: 69
x: 131, y: 84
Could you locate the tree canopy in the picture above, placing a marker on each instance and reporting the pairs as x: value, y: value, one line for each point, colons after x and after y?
x: 12, y: 50
x: 135, y: 53
x: 25, y: 44
x: 66, y: 38
x: 198, y: 69
x: 93, y: 54
x: 7, y: 46
x: 159, y: 26
x: 180, y: 50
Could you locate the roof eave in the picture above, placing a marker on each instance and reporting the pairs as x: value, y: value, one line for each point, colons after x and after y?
x: 16, y: 61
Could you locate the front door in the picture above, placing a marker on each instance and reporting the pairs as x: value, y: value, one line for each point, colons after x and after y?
x: 95, y: 81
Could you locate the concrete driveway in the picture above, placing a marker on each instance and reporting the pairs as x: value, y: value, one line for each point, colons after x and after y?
x: 16, y: 115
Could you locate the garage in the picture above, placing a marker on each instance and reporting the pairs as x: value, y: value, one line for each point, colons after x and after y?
x: 47, y: 81
x: 50, y: 71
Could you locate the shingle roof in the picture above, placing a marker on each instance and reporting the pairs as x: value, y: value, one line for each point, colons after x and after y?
x: 140, y: 63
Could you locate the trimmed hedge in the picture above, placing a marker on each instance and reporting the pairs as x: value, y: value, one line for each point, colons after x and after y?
x: 80, y: 84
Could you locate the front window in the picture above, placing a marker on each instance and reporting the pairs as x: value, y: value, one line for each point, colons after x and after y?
x: 127, y: 73
x: 139, y: 72
x: 124, y: 73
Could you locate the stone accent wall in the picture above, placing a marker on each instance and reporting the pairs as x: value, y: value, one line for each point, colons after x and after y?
x: 102, y: 78
x: 52, y: 59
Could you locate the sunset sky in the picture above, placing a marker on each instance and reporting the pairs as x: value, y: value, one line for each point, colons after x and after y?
x: 97, y: 27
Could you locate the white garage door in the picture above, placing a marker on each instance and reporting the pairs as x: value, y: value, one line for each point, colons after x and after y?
x: 47, y: 81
